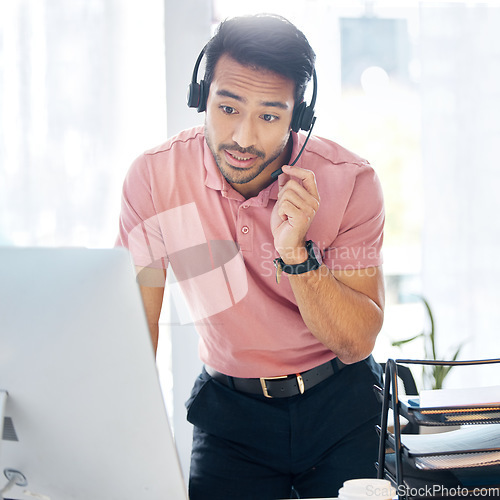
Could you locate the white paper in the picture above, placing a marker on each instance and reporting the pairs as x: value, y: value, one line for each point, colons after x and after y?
x: 473, y: 437
x: 468, y: 439
x: 458, y: 461
x: 460, y: 397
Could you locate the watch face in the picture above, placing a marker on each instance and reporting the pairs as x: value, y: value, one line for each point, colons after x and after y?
x: 316, y: 252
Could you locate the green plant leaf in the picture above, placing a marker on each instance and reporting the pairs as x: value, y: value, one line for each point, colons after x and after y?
x: 434, y: 375
x: 399, y: 343
x: 457, y: 353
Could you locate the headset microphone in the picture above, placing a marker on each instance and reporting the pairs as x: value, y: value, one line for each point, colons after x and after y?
x: 276, y: 173
x: 302, y: 119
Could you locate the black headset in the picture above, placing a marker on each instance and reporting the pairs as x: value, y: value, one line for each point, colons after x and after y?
x: 302, y: 118
x: 197, y: 92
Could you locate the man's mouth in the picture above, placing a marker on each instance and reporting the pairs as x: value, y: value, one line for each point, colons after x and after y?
x: 239, y: 160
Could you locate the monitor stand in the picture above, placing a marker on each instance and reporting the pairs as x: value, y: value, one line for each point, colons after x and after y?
x: 3, y: 401
x: 14, y: 477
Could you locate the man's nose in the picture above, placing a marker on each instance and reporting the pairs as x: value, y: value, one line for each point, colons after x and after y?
x: 245, y: 133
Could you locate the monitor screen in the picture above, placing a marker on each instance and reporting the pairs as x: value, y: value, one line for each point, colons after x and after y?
x: 84, y: 415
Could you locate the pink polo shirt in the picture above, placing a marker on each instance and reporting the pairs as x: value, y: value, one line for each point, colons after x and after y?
x: 179, y: 211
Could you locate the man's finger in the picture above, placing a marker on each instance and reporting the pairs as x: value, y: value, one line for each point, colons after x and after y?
x: 283, y: 179
x: 306, y: 176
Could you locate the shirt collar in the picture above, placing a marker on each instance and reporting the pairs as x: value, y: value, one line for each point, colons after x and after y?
x: 214, y: 178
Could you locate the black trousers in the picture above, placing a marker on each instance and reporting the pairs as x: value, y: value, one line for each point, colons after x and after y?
x: 248, y: 447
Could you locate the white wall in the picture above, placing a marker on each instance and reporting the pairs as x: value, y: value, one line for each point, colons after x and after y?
x: 82, y: 93
x: 460, y: 139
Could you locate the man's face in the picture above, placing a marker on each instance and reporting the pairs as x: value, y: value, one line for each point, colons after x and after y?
x: 247, y: 124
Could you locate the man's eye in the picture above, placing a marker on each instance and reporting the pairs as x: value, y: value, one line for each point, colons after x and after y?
x: 228, y: 110
x: 269, y: 118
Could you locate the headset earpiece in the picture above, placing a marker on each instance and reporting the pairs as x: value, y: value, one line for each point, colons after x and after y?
x: 298, y: 111
x: 197, y: 92
x: 196, y: 97
x: 302, y: 117
x: 193, y: 95
x: 303, y: 114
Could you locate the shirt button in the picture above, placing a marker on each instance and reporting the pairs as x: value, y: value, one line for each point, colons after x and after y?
x: 245, y: 206
x: 245, y: 229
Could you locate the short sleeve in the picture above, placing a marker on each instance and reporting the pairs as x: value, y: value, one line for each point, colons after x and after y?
x: 140, y: 230
x: 359, y: 241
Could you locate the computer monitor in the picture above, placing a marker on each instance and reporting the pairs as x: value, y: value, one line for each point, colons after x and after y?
x: 84, y: 417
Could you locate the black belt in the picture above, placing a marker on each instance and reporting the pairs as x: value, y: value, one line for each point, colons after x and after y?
x: 280, y: 387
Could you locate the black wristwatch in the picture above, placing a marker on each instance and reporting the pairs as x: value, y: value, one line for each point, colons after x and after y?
x: 314, y: 260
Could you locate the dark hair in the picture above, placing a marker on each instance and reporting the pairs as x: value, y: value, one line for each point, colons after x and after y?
x: 263, y: 41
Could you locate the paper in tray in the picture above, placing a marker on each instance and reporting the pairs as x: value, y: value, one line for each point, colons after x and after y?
x: 470, y: 446
x: 438, y: 416
x: 460, y: 397
x: 458, y: 461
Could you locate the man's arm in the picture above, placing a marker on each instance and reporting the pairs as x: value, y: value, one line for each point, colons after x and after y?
x: 342, y: 309
x: 152, y: 286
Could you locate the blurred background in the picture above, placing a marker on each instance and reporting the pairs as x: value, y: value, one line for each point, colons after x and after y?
x: 413, y: 86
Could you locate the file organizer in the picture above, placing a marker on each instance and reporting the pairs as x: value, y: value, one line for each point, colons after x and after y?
x: 448, y: 470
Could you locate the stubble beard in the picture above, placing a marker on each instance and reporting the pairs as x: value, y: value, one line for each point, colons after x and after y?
x: 233, y: 175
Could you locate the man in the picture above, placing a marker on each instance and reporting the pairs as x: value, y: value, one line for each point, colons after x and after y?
x: 283, y: 277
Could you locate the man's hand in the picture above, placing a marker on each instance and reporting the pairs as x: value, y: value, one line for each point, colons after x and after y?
x: 297, y: 204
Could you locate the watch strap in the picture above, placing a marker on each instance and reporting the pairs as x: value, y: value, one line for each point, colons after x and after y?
x: 308, y: 265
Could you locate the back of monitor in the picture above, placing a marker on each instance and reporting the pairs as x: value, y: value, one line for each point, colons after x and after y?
x: 85, y: 417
